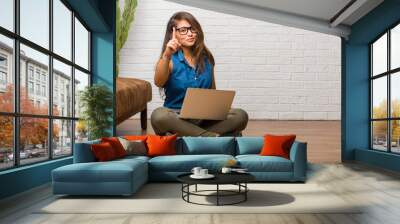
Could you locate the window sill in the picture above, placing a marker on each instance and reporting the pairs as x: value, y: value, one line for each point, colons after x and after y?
x: 30, y: 166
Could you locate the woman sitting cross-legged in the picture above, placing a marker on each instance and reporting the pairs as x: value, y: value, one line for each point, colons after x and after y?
x: 185, y: 62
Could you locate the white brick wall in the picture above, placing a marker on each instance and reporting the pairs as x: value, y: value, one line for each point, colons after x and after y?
x: 278, y: 72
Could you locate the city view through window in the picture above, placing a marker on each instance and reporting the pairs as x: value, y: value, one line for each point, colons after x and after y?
x: 41, y: 122
x: 385, y: 87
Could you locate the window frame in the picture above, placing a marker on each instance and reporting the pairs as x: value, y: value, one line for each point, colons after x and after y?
x: 388, y: 74
x: 15, y: 72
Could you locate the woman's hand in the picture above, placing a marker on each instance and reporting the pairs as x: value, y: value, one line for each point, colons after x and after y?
x: 173, y: 45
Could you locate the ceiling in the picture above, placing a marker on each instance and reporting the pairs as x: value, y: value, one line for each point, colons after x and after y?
x: 333, y: 17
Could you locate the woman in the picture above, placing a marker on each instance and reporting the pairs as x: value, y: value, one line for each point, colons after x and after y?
x: 186, y: 62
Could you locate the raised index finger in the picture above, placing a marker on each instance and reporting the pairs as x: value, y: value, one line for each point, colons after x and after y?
x: 173, y: 32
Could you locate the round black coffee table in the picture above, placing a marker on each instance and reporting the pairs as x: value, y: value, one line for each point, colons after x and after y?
x: 238, y: 179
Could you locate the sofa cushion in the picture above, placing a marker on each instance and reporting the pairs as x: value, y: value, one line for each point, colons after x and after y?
x: 116, y: 145
x: 208, y: 145
x: 161, y: 145
x: 275, y: 145
x: 249, y: 145
x: 135, y: 137
x: 83, y: 152
x: 103, y: 152
x: 185, y: 163
x: 134, y: 147
x: 257, y: 163
x: 131, y: 158
x: 111, y: 171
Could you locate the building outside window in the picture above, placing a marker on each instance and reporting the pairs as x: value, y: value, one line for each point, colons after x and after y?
x: 43, y: 90
x: 3, y: 78
x: 55, y: 96
x: 37, y: 74
x: 38, y: 89
x: 30, y: 72
x: 30, y: 87
x: 3, y: 61
x: 3, y: 81
x: 3, y: 72
x: 44, y: 77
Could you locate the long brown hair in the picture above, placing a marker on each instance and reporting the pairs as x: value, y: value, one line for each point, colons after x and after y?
x: 199, y: 49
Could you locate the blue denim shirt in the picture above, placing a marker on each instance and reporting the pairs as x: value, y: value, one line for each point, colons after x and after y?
x: 184, y: 76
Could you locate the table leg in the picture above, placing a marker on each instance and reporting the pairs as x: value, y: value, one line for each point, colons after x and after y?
x: 182, y: 188
x: 196, y: 188
x: 245, y: 193
x: 217, y: 194
x: 188, y: 190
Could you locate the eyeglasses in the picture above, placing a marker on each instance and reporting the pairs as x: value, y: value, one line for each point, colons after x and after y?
x: 184, y: 30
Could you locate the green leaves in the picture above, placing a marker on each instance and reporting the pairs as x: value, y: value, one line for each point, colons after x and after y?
x: 96, y: 103
x: 123, y: 24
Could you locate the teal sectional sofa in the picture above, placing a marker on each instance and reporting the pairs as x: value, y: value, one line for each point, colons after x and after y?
x: 125, y: 176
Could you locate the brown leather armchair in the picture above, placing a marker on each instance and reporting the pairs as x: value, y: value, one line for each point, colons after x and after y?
x: 132, y: 97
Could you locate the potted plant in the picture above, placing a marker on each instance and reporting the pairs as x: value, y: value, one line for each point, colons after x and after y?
x: 96, y: 110
x: 123, y: 24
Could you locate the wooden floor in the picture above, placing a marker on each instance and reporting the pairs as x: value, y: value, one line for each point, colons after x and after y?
x: 379, y: 191
x: 322, y: 137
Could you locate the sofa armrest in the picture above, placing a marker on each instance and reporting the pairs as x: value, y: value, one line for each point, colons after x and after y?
x: 83, y: 152
x: 298, y: 155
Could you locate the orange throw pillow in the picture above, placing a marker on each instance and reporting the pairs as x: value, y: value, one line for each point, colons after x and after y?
x: 136, y: 137
x: 161, y: 145
x: 103, y: 151
x: 116, y: 145
x: 275, y: 145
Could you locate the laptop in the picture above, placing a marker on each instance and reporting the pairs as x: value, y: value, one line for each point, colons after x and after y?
x: 207, y: 104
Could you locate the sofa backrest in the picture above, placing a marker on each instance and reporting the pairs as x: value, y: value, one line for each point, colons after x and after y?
x: 206, y: 145
x: 191, y: 146
x: 83, y: 152
x: 249, y: 145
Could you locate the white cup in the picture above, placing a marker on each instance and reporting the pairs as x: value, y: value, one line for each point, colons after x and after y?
x: 203, y: 172
x: 196, y: 171
x: 226, y: 170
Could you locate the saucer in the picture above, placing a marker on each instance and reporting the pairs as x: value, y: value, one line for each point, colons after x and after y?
x: 240, y: 171
x: 208, y: 176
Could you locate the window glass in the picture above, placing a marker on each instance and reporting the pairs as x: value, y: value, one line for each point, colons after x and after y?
x: 81, y: 131
x: 39, y: 62
x: 395, y: 136
x: 6, y: 74
x: 379, y: 135
x: 81, y: 81
x: 81, y: 45
x: 33, y: 140
x: 6, y: 142
x: 62, y: 137
x: 62, y: 29
x: 62, y: 91
x: 395, y: 95
x: 7, y: 14
x: 379, y: 56
x: 379, y: 100
x: 395, y: 47
x: 34, y: 21
x: 34, y: 81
